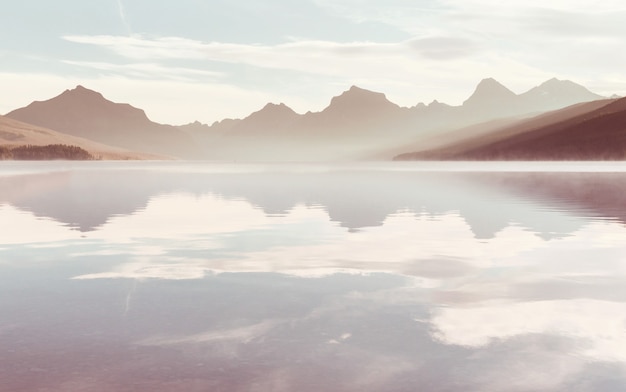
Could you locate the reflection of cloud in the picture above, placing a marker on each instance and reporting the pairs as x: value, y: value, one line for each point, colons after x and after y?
x: 395, y: 247
x: 27, y: 229
x: 599, y: 326
x: 214, y: 235
x: 153, y: 268
x: 240, y: 335
x: 340, y: 339
x: 182, y: 217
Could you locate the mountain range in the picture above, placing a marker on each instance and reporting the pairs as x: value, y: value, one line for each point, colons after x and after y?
x: 357, y: 124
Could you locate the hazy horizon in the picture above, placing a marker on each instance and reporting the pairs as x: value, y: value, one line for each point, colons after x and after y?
x: 209, y: 61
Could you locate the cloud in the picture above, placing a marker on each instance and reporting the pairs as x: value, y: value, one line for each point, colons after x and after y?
x: 443, y: 67
x: 150, y: 71
x: 304, y: 55
x: 481, y: 17
x: 137, y: 47
x: 123, y: 17
x: 443, y: 48
x: 564, y: 38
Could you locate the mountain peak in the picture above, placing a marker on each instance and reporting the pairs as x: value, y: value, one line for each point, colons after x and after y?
x: 359, y: 99
x: 489, y: 81
x: 80, y: 91
x: 556, y: 83
x: 490, y: 84
x: 559, y: 93
x: 272, y: 114
x: 276, y: 109
x: 357, y: 89
x: 488, y: 92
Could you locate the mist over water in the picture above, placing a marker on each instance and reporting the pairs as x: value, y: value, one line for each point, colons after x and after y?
x: 158, y: 276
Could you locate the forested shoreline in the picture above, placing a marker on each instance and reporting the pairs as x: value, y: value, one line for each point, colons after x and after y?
x: 44, y: 153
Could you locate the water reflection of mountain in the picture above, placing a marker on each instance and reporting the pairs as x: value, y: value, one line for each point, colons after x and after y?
x: 489, y: 202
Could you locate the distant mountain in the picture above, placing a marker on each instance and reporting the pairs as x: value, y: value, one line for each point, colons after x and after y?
x: 363, y: 124
x: 597, y: 135
x: 342, y: 130
x: 490, y: 95
x: 356, y: 104
x: 357, y: 124
x: 272, y: 118
x: 589, y: 131
x: 85, y: 113
x: 356, y: 107
x: 15, y: 133
x: 554, y: 94
x: 492, y: 100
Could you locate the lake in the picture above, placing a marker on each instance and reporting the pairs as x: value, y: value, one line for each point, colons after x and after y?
x: 400, y: 276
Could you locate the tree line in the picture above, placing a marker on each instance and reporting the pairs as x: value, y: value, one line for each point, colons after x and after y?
x: 43, y: 153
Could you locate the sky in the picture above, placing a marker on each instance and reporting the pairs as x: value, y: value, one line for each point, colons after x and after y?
x: 206, y: 60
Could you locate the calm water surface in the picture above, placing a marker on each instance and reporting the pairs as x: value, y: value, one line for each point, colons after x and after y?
x: 371, y: 277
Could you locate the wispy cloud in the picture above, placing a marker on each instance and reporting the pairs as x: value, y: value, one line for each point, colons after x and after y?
x: 297, y: 53
x: 378, y: 66
x: 124, y: 19
x: 475, y: 16
x: 238, y: 335
x: 421, y: 69
x: 149, y: 71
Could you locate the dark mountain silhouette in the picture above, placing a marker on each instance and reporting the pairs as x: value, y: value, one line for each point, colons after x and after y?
x: 598, y: 134
x: 452, y: 145
x: 86, y: 113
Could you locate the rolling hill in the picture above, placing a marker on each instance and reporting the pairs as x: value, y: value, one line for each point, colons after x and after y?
x: 15, y: 133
